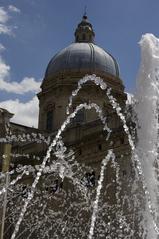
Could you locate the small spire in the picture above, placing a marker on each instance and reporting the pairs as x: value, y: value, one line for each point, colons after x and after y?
x: 85, y: 11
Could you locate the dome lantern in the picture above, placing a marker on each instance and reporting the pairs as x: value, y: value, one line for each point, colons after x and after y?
x: 84, y: 31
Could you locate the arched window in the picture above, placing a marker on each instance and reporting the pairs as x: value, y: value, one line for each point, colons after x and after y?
x: 49, y: 120
x: 83, y: 37
x: 100, y: 147
x: 80, y: 117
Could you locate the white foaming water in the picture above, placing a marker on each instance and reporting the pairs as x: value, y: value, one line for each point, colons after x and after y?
x: 147, y: 109
x: 147, y: 132
x: 100, y: 181
x: 116, y: 106
x: 55, y: 141
x: 135, y: 157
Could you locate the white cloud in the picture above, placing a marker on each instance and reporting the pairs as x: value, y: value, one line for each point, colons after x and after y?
x: 4, y: 70
x: 13, y: 9
x: 2, y: 48
x: 25, y: 86
x: 25, y: 113
x: 28, y: 84
x: 5, y: 29
x: 4, y: 17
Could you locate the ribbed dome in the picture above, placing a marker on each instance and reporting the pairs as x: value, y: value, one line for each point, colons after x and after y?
x: 82, y: 56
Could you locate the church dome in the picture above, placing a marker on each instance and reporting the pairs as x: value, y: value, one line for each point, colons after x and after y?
x: 83, y: 55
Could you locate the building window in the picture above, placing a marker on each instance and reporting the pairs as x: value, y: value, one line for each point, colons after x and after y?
x: 124, y: 173
x: 83, y: 37
x: 100, y: 147
x: 49, y: 120
x: 79, y: 117
x: 122, y: 140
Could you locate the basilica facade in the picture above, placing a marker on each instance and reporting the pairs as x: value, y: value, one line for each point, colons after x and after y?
x: 86, y: 138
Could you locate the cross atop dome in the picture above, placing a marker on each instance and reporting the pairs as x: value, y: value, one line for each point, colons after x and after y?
x: 84, y: 31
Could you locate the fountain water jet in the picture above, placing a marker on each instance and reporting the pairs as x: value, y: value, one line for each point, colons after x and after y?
x: 144, y: 153
x: 152, y: 88
x: 147, y: 111
x: 115, y: 105
x: 31, y: 194
x: 99, y: 187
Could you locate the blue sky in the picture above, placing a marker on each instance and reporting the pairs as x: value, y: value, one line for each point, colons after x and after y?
x: 32, y: 31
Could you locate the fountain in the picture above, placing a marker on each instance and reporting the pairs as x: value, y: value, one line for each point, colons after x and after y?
x: 85, y: 207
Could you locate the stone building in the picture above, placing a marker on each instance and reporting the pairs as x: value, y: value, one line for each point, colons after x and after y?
x: 85, y: 136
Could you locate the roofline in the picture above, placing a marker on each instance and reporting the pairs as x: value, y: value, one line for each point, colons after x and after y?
x: 24, y: 126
